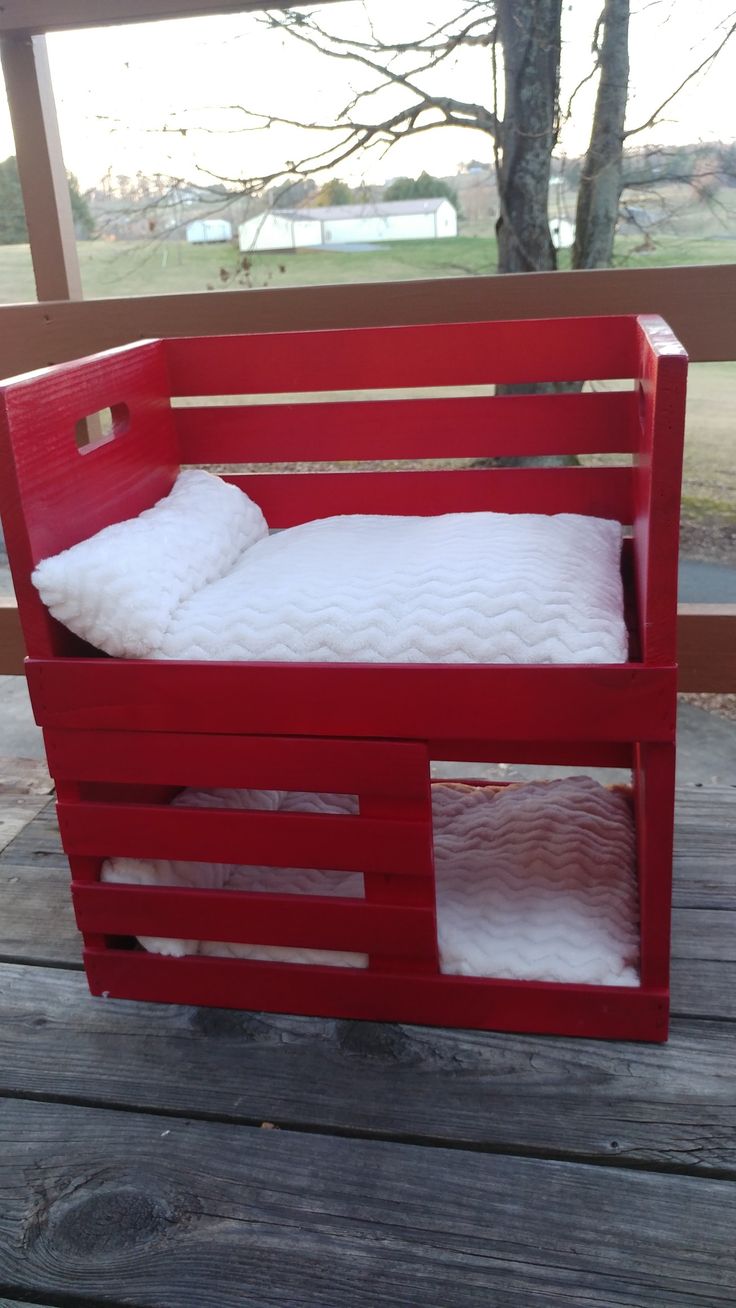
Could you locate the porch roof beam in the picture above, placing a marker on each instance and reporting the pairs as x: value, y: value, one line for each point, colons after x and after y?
x: 60, y: 15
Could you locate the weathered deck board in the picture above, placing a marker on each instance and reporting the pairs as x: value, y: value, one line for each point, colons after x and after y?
x: 36, y: 916
x: 21, y: 1303
x: 38, y: 843
x: 108, y: 1206
x: 702, y: 988
x: 705, y: 933
x: 671, y: 1107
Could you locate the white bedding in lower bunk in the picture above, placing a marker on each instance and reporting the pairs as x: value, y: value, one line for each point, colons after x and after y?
x: 534, y: 881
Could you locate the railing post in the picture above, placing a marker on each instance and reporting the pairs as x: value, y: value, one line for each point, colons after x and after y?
x: 41, y: 169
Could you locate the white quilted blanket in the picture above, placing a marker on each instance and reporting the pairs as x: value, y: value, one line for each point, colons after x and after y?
x: 534, y: 881
x: 198, y: 578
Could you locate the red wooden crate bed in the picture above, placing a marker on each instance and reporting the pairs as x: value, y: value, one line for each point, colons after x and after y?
x: 124, y: 736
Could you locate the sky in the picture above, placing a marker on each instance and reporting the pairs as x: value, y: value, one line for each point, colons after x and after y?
x: 117, y: 88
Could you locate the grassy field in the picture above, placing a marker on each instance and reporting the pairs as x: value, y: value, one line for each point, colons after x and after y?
x: 137, y: 268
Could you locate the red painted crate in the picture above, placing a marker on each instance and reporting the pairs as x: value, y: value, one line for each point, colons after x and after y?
x: 123, y: 737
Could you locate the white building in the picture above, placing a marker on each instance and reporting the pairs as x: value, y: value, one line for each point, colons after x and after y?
x: 206, y: 231
x: 562, y: 232
x: 348, y: 224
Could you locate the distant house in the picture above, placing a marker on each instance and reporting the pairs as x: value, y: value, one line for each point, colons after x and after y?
x: 562, y: 232
x: 207, y: 231
x: 348, y: 224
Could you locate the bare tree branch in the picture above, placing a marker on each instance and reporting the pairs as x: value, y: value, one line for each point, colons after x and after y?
x: 297, y: 19
x: 650, y: 122
x: 311, y: 34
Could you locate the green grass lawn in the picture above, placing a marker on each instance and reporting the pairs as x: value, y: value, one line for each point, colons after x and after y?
x: 139, y: 268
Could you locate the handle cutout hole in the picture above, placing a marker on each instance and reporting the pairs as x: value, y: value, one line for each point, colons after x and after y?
x: 101, y: 427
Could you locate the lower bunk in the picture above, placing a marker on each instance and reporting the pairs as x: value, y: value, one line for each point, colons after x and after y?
x: 498, y: 906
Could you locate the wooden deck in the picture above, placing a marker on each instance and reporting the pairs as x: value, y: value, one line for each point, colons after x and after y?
x: 174, y: 1156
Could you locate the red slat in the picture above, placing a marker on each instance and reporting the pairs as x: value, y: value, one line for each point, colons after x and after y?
x: 663, y: 370
x: 655, y: 801
x: 574, y: 754
x: 466, y: 427
x: 370, y: 358
x: 306, y: 840
x: 603, y: 1012
x: 263, y: 762
x: 290, y: 498
x: 404, y: 701
x: 307, y: 921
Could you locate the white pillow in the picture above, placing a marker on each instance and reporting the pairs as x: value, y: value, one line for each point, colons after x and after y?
x: 119, y: 589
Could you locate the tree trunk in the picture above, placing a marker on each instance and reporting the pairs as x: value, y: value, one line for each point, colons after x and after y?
x: 600, y: 182
x: 529, y: 35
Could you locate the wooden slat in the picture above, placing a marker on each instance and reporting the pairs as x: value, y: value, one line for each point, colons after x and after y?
x: 291, y: 498
x: 658, y: 489
x: 706, y: 647
x: 58, y: 15
x: 307, y: 840
x: 697, y: 302
x: 409, y: 429
x: 573, y: 754
x: 446, y: 354
x: 668, y: 1106
x: 41, y: 168
x: 313, y: 921
x: 294, y: 763
x: 260, y: 762
x: 400, y: 701
x: 144, y: 1209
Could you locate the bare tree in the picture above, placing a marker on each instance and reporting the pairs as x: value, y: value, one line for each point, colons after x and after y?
x: 600, y: 181
x: 529, y: 37
x: 523, y: 40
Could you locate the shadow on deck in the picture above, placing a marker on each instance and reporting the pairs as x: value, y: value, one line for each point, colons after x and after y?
x: 158, y: 1155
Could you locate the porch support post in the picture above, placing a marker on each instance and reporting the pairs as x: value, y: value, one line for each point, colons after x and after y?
x: 43, y: 177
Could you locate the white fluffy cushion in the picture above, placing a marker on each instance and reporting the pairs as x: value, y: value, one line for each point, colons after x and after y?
x: 198, y: 577
x: 120, y: 589
x: 457, y: 588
